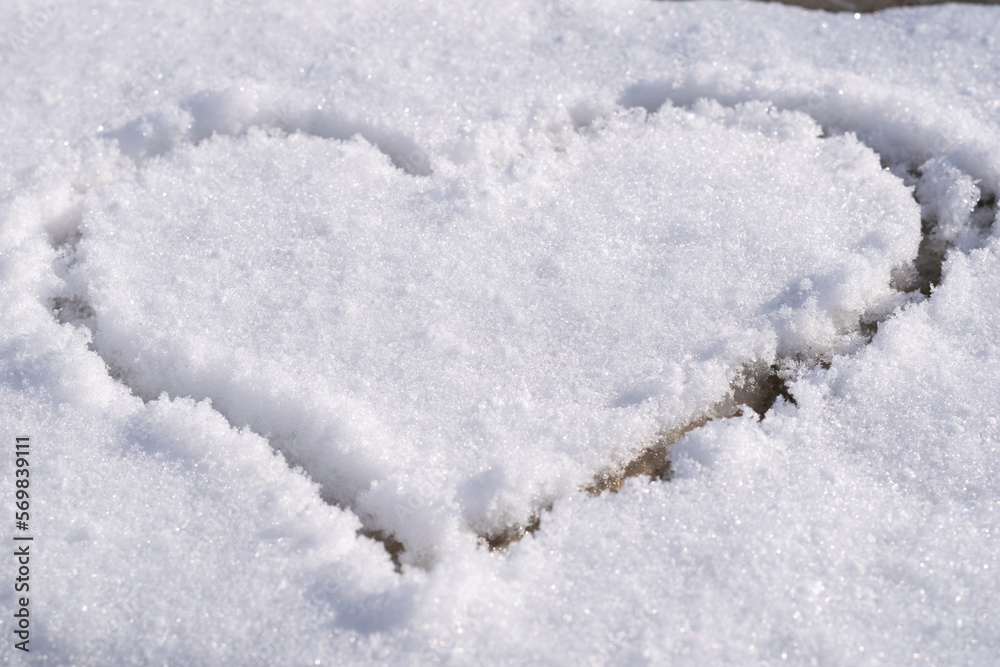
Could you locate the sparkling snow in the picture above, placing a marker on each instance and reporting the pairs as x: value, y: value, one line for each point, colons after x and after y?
x: 304, y: 306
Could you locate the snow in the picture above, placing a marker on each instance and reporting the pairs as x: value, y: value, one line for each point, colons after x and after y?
x: 303, y: 305
x: 548, y: 318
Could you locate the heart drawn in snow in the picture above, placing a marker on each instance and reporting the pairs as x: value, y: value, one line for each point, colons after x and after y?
x: 444, y: 354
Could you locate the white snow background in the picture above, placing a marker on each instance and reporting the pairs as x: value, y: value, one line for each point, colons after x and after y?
x: 340, y: 330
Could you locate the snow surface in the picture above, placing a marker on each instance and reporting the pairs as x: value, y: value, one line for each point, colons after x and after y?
x: 281, y: 280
